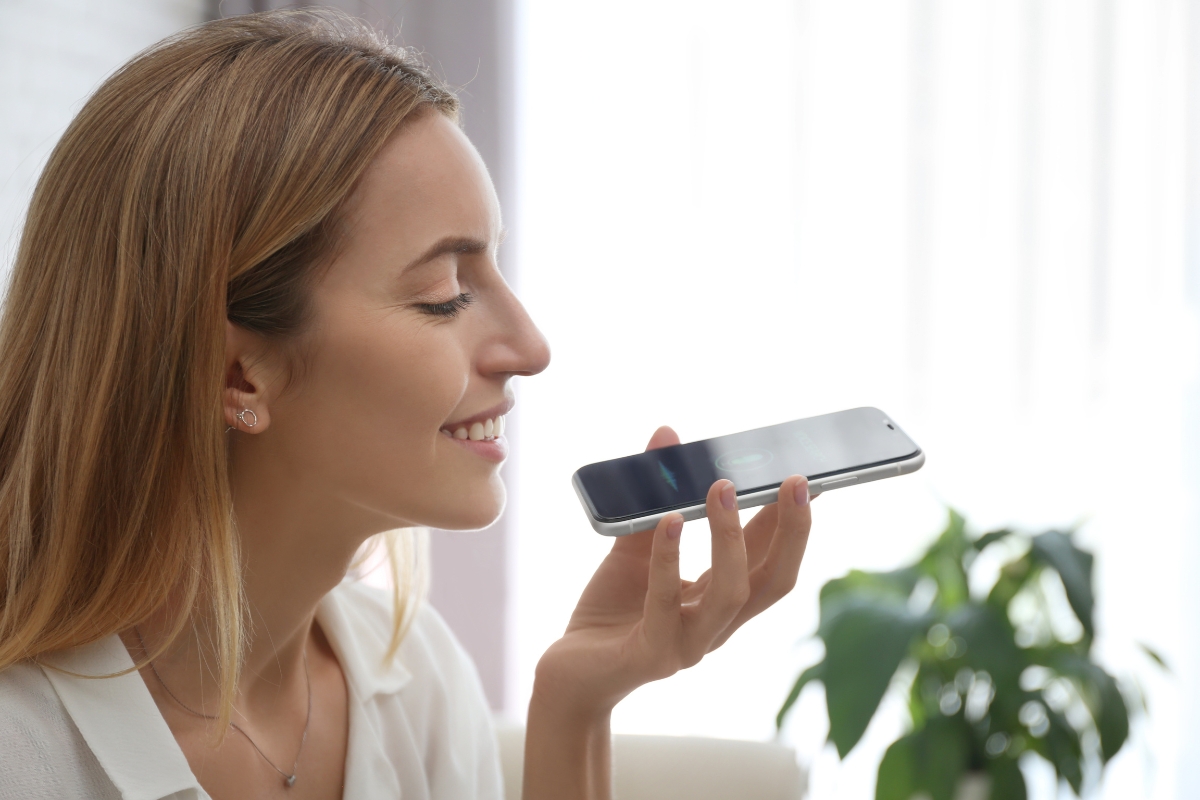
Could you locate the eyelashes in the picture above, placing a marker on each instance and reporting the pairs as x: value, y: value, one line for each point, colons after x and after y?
x: 450, y: 308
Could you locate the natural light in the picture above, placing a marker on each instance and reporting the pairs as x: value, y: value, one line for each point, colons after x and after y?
x: 980, y: 216
x: 968, y: 214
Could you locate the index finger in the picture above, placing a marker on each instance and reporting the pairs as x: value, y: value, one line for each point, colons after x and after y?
x: 664, y: 590
x: 729, y: 585
x: 641, y: 541
x: 664, y: 436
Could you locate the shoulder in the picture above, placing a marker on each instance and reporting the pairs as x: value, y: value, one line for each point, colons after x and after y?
x: 370, y: 614
x: 426, y: 702
x: 428, y: 654
x: 42, y: 753
x: 26, y: 695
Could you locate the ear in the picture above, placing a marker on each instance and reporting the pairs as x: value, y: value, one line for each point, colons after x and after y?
x: 245, y: 382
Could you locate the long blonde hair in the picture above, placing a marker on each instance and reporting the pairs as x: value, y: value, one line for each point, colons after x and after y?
x: 200, y: 183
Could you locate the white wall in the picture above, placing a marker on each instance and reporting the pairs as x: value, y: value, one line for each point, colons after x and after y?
x: 53, y: 54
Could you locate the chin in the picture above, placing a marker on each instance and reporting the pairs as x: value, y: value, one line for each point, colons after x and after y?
x: 476, y: 512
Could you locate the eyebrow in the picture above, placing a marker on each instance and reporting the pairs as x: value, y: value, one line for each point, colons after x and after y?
x: 452, y: 244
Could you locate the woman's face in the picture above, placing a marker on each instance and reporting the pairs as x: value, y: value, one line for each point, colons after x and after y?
x: 415, y: 337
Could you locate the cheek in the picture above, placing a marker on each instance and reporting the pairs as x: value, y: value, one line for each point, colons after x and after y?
x: 372, y: 407
x: 401, y: 385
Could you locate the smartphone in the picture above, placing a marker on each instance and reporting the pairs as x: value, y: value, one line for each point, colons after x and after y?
x: 845, y: 448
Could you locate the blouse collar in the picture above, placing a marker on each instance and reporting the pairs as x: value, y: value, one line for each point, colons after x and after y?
x: 136, y: 748
x: 360, y: 643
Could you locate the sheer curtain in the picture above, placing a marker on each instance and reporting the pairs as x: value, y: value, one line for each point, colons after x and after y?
x: 972, y: 213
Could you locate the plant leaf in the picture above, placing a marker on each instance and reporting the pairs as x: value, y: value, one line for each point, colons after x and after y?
x: 897, y: 779
x: 931, y: 760
x: 1007, y: 781
x: 896, y: 585
x: 955, y: 533
x: 945, y: 760
x: 943, y: 562
x: 1062, y: 749
x: 1013, y: 577
x: 1112, y: 721
x: 990, y: 538
x: 813, y: 673
x: 991, y: 648
x: 1102, y: 696
x: 1154, y: 656
x: 1074, y: 566
x: 865, y: 639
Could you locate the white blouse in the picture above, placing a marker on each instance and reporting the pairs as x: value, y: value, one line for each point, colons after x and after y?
x: 419, y: 727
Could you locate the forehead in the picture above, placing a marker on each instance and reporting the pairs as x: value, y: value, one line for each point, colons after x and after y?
x: 427, y: 182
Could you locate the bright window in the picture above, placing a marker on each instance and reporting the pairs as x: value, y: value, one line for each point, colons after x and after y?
x: 970, y: 214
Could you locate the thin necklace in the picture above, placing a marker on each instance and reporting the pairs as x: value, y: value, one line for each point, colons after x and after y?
x: 288, y: 780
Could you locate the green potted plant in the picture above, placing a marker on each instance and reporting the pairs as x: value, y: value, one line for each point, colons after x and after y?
x: 989, y: 675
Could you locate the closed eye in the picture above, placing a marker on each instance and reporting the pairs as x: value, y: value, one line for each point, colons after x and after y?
x: 450, y: 308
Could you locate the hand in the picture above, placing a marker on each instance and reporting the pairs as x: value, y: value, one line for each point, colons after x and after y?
x: 637, y: 622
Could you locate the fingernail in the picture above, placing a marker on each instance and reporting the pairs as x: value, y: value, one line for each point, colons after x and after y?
x: 674, y: 528
x: 728, y: 496
x: 802, y: 493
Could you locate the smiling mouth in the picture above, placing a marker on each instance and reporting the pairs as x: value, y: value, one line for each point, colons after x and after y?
x: 482, y: 430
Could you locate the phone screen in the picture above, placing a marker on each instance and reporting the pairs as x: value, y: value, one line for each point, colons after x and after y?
x: 680, y: 476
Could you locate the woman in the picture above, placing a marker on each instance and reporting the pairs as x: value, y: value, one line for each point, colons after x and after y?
x: 255, y: 323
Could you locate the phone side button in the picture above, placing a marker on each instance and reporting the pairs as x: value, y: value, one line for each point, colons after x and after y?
x: 834, y: 484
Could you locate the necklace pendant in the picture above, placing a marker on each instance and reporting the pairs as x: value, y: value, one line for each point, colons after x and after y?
x: 290, y: 780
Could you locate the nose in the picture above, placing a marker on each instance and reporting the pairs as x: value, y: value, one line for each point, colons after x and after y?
x: 516, y: 346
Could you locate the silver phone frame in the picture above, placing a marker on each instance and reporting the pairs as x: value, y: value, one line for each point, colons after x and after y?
x: 838, y: 480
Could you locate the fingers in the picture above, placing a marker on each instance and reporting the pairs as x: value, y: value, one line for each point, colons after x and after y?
x: 694, y: 590
x: 776, y: 575
x: 661, y: 620
x: 782, y: 563
x: 729, y: 585
x: 759, y: 533
x: 665, y: 436
x: 640, y: 542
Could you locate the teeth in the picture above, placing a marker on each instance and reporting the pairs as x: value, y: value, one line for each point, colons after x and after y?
x: 478, y: 431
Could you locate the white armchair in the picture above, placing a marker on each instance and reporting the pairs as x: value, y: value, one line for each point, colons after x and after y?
x: 680, y: 768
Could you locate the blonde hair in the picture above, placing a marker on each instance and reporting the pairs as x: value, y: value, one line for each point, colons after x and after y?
x: 200, y: 183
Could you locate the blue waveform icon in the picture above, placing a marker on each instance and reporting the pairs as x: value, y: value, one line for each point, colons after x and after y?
x: 668, y: 476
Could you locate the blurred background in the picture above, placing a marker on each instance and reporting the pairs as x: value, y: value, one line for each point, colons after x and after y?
x: 980, y: 215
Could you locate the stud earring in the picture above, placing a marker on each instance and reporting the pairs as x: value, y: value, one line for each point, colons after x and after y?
x: 241, y: 416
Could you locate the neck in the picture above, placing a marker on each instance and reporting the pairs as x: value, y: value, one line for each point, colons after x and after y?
x: 296, y: 545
